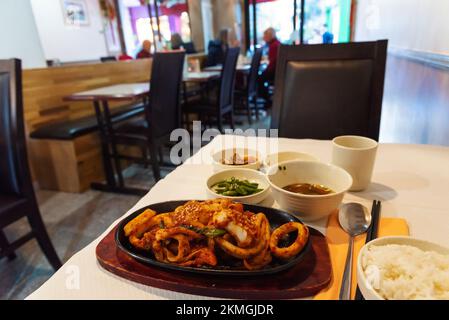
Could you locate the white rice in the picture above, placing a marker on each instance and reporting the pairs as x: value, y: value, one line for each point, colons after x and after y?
x: 401, y: 272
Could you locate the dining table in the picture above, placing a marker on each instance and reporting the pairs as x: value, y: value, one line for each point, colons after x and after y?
x: 129, y: 92
x: 410, y: 180
x: 241, y: 68
x: 100, y: 98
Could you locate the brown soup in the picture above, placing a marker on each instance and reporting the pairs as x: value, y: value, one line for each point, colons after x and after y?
x: 309, y: 189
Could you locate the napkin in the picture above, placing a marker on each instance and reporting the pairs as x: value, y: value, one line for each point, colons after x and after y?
x: 338, y: 241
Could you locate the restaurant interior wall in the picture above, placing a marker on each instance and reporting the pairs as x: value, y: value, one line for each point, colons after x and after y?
x: 415, y: 105
x: 410, y: 24
x: 19, y: 35
x: 65, y: 42
x: 228, y: 14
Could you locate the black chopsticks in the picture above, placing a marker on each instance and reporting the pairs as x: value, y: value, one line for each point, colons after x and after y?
x: 371, y: 234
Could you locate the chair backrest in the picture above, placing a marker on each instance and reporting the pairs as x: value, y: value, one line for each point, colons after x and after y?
x: 189, y: 47
x: 215, y: 53
x: 227, y: 84
x: 254, y: 72
x: 164, y: 112
x: 323, y: 91
x: 15, y: 178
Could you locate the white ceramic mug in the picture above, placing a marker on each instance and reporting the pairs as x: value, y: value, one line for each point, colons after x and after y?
x: 357, y: 156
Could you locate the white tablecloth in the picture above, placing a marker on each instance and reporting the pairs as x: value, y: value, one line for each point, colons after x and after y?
x: 411, y: 180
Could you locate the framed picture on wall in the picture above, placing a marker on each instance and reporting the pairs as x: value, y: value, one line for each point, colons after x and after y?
x: 75, y: 12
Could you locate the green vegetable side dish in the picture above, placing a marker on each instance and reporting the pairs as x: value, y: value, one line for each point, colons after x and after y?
x: 234, y: 187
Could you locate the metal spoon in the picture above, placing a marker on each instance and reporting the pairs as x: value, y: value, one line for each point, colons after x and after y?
x: 355, y: 219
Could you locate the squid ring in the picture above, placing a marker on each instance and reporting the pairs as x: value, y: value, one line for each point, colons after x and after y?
x: 164, y: 234
x: 245, y: 253
x: 183, y: 249
x: 295, y: 247
x: 264, y: 257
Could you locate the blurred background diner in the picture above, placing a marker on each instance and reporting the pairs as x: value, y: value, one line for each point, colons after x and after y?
x: 99, y: 85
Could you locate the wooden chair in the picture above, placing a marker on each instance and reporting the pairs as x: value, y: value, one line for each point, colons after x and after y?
x: 17, y: 198
x: 223, y: 105
x: 323, y: 91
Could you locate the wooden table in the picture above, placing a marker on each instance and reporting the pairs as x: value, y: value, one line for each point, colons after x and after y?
x: 242, y: 68
x: 203, y: 76
x: 101, y: 98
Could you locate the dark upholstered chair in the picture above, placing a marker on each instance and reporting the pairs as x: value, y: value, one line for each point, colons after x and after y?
x: 323, y: 91
x: 224, y: 104
x: 17, y: 199
x: 162, y: 113
x: 248, y: 96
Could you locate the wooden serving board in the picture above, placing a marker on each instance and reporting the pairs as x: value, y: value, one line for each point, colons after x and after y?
x: 306, y: 279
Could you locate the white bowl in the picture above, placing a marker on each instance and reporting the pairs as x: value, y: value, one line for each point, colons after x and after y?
x: 217, y: 159
x: 365, y: 288
x: 241, y: 174
x: 308, y: 207
x: 275, y: 158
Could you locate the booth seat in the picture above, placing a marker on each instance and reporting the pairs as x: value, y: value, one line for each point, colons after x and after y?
x: 64, y: 145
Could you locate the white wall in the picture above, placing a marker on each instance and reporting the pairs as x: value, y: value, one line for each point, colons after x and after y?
x: 69, y: 43
x: 421, y: 25
x: 18, y: 34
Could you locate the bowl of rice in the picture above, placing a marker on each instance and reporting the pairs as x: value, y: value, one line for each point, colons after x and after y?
x: 403, y: 268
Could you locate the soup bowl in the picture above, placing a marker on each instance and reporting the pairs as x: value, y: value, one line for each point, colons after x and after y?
x: 308, y: 207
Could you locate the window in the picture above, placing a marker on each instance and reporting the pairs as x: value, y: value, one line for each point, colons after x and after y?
x: 140, y: 24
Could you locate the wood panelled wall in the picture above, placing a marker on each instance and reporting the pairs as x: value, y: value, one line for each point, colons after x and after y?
x: 416, y: 99
x: 44, y: 89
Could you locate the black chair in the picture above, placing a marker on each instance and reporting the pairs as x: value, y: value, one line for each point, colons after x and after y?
x: 17, y: 198
x: 216, y: 109
x: 215, y: 53
x: 248, y: 96
x: 108, y: 59
x: 162, y: 112
x: 189, y: 47
x: 323, y: 91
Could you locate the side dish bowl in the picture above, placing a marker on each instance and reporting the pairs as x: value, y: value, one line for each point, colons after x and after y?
x: 240, y: 174
x: 308, y: 207
x: 225, y: 155
x: 275, y: 158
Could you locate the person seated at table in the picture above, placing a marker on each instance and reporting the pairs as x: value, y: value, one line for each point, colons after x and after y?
x: 146, y: 50
x: 267, y: 77
x: 217, y: 48
x: 176, y: 41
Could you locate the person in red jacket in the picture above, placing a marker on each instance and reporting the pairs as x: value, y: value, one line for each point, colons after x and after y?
x: 267, y: 77
x: 146, y: 50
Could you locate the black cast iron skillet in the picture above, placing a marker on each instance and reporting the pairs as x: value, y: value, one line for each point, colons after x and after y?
x: 275, y: 217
